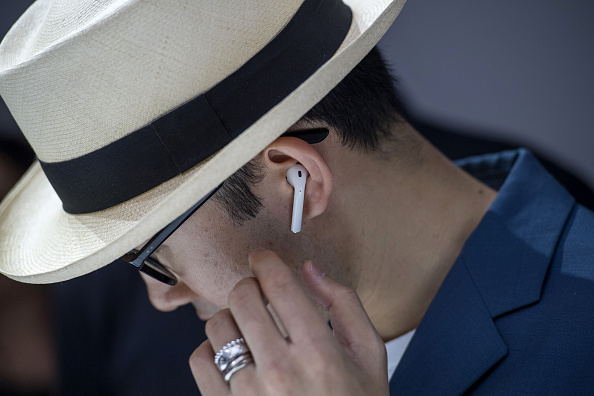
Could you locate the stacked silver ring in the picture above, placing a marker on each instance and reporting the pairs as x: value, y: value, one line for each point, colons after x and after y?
x: 233, y: 357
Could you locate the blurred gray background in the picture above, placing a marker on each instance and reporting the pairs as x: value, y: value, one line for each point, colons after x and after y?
x: 515, y: 71
x: 518, y: 71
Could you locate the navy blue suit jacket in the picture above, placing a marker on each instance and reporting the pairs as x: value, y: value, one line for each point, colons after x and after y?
x: 515, y: 314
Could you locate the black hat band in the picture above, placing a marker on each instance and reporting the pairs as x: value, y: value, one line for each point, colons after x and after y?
x: 186, y: 136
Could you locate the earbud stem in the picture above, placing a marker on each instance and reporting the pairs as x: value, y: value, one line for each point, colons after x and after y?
x: 297, y: 210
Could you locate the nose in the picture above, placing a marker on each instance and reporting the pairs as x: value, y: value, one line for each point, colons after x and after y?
x: 167, y: 298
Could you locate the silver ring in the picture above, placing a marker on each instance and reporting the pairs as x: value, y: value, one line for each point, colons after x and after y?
x: 233, y: 357
x: 239, y: 363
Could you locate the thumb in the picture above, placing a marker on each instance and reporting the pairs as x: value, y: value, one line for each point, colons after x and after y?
x: 352, y: 327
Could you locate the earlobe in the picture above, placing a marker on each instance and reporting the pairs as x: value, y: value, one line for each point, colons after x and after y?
x: 286, y: 152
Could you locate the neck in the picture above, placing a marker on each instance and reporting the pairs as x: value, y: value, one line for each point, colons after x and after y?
x: 401, y: 248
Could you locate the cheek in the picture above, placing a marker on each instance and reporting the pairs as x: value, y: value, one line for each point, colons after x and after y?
x: 210, y: 254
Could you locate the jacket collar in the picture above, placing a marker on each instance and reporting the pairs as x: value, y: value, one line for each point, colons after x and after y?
x: 502, y: 267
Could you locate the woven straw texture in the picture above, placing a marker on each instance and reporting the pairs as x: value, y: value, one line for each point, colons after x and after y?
x: 78, y: 75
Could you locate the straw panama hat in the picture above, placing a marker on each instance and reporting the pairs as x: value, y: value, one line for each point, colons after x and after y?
x: 138, y: 108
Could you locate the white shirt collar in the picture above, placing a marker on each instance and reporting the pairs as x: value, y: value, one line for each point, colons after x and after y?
x: 396, y: 349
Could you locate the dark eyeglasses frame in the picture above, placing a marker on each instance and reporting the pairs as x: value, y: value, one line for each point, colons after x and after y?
x: 141, y: 258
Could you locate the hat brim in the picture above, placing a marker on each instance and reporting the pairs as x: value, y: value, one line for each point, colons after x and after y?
x: 44, y: 244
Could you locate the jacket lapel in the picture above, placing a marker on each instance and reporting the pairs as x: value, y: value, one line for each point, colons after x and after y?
x: 455, y: 344
x: 502, y: 268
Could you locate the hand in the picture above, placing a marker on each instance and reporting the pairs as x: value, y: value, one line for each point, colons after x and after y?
x: 311, y: 360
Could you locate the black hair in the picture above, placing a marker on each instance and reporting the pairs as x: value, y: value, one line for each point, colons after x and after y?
x: 361, y: 108
x: 236, y: 195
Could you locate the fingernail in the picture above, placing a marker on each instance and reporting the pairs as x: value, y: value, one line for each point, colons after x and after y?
x: 316, y: 271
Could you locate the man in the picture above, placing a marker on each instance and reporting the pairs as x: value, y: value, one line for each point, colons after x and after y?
x: 213, y: 105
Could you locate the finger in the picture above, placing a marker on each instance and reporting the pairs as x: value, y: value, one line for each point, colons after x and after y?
x: 352, y: 327
x: 255, y: 322
x: 281, y: 287
x: 207, y: 375
x: 221, y: 329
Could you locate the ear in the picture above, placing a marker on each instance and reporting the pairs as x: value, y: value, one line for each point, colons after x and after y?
x: 286, y: 152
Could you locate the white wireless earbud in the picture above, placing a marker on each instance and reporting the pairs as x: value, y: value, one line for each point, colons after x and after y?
x: 297, y: 176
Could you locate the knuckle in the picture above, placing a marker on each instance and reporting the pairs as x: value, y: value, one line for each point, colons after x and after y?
x: 277, y: 381
x: 346, y: 293
x: 279, y: 281
x: 245, y: 288
x: 319, y: 358
x: 200, y: 356
x: 218, y: 321
x: 318, y: 349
